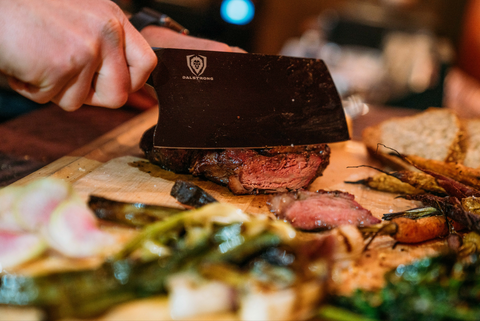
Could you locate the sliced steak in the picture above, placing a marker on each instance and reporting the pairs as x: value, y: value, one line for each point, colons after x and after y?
x: 320, y: 210
x: 245, y: 171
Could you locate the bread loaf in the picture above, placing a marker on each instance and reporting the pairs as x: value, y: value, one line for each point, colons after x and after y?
x: 435, y: 133
x: 472, y: 142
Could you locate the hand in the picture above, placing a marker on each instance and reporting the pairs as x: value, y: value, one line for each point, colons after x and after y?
x: 167, y: 38
x: 72, y: 52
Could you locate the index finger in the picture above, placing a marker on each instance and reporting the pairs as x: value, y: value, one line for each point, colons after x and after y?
x: 141, y: 59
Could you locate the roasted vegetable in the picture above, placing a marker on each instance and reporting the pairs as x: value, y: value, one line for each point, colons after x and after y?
x: 207, y: 239
x: 133, y: 214
x: 463, y: 174
x: 453, y: 187
x: 404, y: 182
x: 387, y: 183
x: 451, y: 207
x: 413, y: 226
x: 190, y: 194
x: 440, y: 288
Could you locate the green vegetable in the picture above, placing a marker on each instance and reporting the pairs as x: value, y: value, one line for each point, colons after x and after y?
x: 440, y: 288
x: 217, y: 237
x: 133, y: 214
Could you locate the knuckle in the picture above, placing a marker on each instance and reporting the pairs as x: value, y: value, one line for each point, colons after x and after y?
x: 147, y: 62
x: 119, y: 100
x: 112, y: 31
x: 114, y: 101
x: 70, y: 106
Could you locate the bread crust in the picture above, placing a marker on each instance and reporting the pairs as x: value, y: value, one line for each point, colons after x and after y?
x: 373, y: 137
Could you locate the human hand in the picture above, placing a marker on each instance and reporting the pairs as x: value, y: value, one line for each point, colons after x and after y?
x: 72, y: 52
x: 167, y: 38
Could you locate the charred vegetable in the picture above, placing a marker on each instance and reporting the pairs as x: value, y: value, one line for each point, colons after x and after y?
x: 387, y: 183
x: 412, y: 226
x: 451, y: 207
x: 463, y: 174
x: 133, y: 214
x: 405, y: 182
x: 440, y: 288
x: 263, y: 252
x: 190, y: 194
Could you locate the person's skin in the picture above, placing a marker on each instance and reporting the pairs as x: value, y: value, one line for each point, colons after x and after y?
x: 167, y: 38
x: 72, y: 52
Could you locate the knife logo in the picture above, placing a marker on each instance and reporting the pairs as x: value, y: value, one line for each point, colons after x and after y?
x: 197, y: 64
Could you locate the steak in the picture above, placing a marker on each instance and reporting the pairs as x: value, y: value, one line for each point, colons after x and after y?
x: 175, y: 160
x: 245, y: 171
x: 320, y: 210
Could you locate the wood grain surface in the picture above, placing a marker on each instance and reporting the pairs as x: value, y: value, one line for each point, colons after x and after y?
x: 113, y: 167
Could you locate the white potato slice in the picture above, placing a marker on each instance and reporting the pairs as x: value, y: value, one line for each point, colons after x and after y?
x: 293, y: 303
x: 189, y: 296
x: 34, y: 205
x: 269, y: 305
x: 17, y: 248
x: 73, y: 231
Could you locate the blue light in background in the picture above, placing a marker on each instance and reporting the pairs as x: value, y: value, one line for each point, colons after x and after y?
x: 238, y: 12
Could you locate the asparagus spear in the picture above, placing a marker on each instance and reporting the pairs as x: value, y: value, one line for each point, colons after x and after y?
x: 228, y: 238
x: 133, y: 214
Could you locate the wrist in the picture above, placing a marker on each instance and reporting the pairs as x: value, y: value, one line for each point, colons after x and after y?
x: 147, y: 17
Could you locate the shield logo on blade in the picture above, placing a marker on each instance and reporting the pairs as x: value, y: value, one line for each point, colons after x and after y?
x: 197, y: 64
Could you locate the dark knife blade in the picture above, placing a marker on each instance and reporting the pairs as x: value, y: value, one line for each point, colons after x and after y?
x: 210, y: 100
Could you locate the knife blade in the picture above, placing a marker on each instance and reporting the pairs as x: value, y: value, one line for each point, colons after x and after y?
x: 218, y: 100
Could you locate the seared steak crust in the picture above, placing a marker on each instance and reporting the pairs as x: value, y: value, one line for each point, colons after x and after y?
x: 245, y: 171
x: 175, y: 160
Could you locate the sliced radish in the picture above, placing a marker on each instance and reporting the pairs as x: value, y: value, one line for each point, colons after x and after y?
x: 38, y: 200
x: 17, y: 248
x: 8, y: 221
x: 73, y: 231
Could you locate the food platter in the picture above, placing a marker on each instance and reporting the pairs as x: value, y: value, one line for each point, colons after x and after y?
x: 113, y: 167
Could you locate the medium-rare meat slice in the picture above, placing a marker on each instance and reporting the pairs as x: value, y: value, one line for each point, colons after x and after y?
x: 245, y: 171
x: 320, y: 210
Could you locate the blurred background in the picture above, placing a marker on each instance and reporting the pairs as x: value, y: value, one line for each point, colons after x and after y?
x: 389, y: 52
x: 381, y: 53
x: 406, y: 53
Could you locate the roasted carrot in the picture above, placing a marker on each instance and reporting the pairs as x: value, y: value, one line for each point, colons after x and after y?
x: 451, y: 207
x: 406, y: 230
x: 421, y: 230
x: 415, y: 226
x: 466, y: 175
x: 453, y: 187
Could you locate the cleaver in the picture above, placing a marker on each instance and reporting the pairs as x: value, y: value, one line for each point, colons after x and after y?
x: 219, y: 100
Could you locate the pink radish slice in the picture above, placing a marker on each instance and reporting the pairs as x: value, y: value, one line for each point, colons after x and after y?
x: 73, y: 231
x: 8, y: 221
x: 17, y: 248
x: 38, y: 200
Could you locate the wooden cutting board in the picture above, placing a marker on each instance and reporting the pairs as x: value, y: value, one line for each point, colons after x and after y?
x: 113, y: 167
